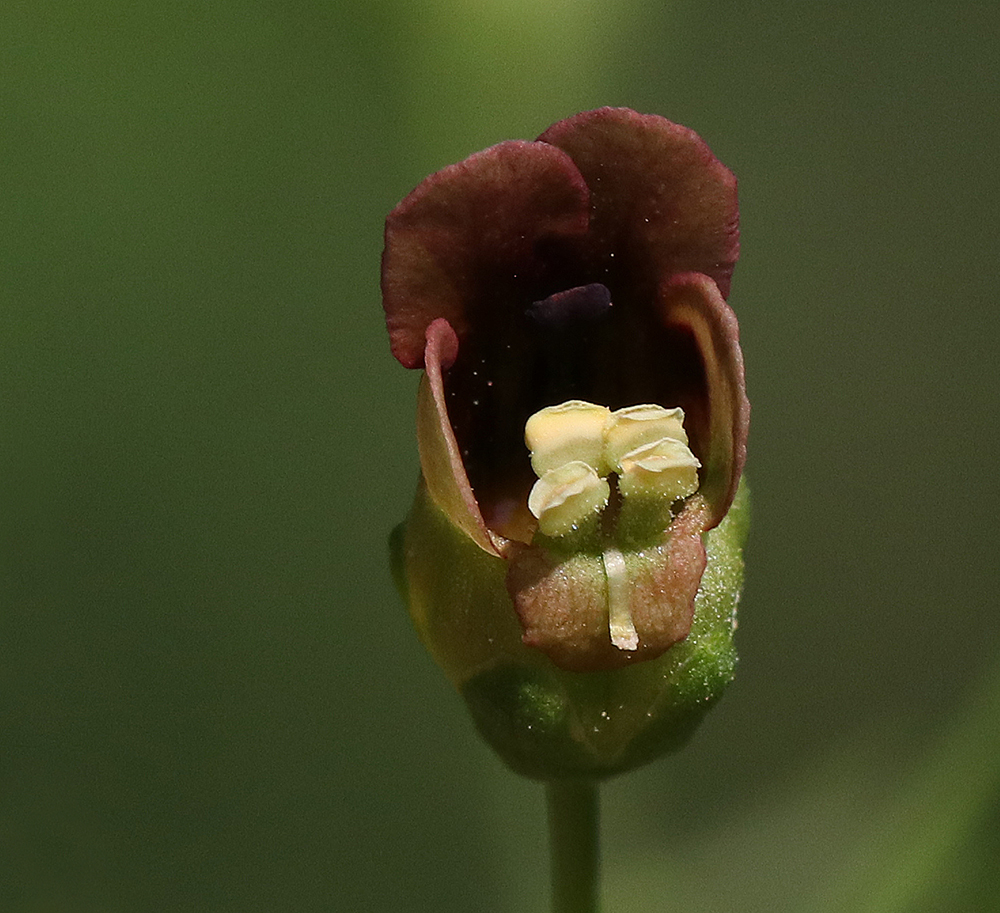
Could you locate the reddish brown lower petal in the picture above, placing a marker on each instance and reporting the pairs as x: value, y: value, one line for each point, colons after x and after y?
x: 667, y: 581
x: 562, y: 602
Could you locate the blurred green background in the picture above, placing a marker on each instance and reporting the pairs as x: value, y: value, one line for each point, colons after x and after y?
x: 211, y: 700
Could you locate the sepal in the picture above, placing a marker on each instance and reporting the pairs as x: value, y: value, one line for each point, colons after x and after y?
x: 546, y: 722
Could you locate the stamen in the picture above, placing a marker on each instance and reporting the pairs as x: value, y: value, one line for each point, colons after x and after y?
x: 565, y: 498
x: 664, y: 469
x: 635, y: 426
x: 577, y: 445
x: 622, y: 630
x: 573, y: 430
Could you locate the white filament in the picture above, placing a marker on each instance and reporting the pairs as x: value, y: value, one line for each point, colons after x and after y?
x: 623, y: 632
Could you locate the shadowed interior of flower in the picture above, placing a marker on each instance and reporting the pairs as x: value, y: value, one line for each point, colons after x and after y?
x: 587, y: 267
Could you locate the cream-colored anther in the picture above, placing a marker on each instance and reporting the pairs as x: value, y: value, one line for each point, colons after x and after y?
x: 635, y: 426
x: 572, y: 431
x: 663, y: 469
x: 565, y: 497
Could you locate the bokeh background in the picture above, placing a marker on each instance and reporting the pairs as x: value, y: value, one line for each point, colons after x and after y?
x: 210, y: 698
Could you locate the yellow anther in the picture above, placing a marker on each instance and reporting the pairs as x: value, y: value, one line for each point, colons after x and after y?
x: 635, y: 426
x: 663, y: 469
x: 575, y: 446
x: 572, y: 431
x: 565, y: 497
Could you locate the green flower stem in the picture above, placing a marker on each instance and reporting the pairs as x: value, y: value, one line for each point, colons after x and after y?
x: 574, y: 845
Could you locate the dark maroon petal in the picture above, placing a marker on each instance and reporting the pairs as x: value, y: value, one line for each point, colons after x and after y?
x: 471, y: 238
x: 661, y: 200
x: 718, y: 419
x: 440, y: 458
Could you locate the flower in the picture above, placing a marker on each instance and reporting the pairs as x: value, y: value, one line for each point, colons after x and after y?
x: 582, y: 418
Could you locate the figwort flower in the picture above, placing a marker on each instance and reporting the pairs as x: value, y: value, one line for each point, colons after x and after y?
x: 573, y: 555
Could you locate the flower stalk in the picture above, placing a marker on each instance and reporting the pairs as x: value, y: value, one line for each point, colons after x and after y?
x: 574, y: 844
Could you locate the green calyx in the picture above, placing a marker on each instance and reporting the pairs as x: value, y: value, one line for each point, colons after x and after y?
x: 546, y: 722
